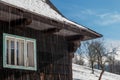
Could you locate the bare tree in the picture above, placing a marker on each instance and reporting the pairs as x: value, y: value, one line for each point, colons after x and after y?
x: 78, y: 57
x: 111, y: 59
x: 75, y: 59
x: 90, y: 53
x: 97, y: 53
x: 102, y: 55
x: 117, y: 67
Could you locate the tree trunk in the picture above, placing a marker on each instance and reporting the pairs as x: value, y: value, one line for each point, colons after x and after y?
x: 111, y: 68
x: 98, y: 63
x: 101, y: 74
x: 92, y: 65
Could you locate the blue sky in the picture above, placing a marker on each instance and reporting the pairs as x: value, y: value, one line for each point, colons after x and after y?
x: 102, y: 16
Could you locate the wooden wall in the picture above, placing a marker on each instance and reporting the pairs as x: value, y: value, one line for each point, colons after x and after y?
x: 54, y: 62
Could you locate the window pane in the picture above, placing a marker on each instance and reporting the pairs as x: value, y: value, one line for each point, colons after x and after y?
x: 8, y: 55
x: 20, y: 52
x: 17, y: 52
x: 12, y: 52
x: 30, y: 54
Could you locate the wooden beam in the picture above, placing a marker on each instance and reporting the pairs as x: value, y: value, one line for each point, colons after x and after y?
x: 22, y: 21
x: 75, y: 38
x: 74, y: 42
x: 50, y: 30
x: 72, y: 46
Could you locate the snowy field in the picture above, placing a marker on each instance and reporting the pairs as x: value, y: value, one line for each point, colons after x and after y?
x: 84, y: 73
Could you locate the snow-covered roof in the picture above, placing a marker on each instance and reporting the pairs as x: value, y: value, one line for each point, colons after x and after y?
x: 42, y: 8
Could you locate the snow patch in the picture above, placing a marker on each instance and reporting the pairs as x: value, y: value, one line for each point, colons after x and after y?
x: 84, y: 73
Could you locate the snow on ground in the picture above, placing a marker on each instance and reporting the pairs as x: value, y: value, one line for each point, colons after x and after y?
x: 84, y: 73
x: 40, y: 7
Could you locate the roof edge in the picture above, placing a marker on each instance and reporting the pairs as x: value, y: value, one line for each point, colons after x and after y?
x: 95, y: 34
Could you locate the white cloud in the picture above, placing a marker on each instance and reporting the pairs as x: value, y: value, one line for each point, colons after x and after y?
x: 88, y: 12
x: 109, y: 43
x: 102, y: 17
x: 108, y: 18
x: 99, y: 17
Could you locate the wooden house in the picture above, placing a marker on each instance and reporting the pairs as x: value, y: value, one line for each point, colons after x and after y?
x: 37, y: 42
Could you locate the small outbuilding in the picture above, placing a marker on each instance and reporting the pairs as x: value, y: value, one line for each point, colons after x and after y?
x: 37, y: 42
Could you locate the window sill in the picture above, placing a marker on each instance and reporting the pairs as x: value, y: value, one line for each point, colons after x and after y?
x: 20, y: 67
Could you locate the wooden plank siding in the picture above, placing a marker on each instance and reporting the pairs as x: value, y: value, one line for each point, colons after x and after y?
x: 54, y: 62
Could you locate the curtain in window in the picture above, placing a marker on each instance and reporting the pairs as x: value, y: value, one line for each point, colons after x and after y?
x: 10, y: 51
x: 30, y: 54
x: 20, y: 52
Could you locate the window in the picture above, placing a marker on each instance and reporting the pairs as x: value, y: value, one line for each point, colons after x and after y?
x: 19, y: 52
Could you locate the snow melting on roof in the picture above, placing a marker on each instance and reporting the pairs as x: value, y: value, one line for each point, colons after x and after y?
x: 40, y: 7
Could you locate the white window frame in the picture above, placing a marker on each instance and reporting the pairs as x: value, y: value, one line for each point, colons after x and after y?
x: 15, y: 66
